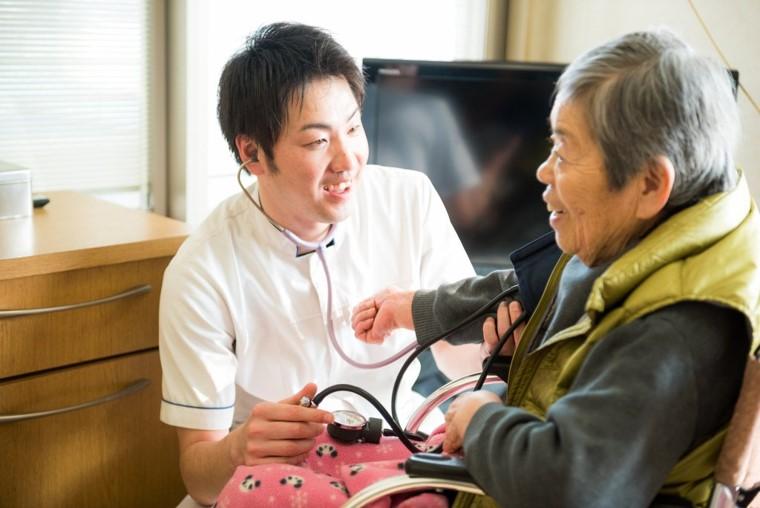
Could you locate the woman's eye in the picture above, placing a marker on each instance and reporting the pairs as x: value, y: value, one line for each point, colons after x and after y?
x: 554, y: 150
x: 355, y: 129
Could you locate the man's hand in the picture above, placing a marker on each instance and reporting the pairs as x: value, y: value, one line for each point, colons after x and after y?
x: 278, y: 431
x: 376, y: 317
x: 506, y: 314
x: 274, y: 432
x: 459, y: 415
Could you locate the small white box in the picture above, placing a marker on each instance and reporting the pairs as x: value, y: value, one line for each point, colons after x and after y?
x: 15, y: 191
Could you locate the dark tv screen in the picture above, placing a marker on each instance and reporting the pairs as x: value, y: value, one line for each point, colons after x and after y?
x: 479, y: 131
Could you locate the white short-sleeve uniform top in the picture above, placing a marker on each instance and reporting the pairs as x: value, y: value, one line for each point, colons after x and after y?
x: 242, y: 317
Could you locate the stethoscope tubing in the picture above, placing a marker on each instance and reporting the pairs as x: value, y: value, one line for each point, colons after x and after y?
x: 464, y: 322
x: 319, y: 248
x: 413, y: 348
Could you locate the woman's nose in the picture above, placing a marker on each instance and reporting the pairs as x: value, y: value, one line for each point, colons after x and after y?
x: 545, y: 171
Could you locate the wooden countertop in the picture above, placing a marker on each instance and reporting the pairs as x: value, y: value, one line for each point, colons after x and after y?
x: 80, y: 231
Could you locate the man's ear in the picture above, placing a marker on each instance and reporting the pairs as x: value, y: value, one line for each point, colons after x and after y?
x: 248, y: 151
x: 656, y: 186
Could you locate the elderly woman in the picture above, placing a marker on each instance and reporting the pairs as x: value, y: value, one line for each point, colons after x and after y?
x: 626, y: 374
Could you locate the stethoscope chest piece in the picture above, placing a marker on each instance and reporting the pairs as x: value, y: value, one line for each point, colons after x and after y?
x: 352, y: 427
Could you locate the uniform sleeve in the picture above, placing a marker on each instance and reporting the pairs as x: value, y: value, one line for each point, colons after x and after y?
x: 435, y: 311
x: 646, y: 394
x: 196, y: 349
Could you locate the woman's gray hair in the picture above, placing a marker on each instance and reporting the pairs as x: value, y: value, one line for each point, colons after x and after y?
x: 648, y: 94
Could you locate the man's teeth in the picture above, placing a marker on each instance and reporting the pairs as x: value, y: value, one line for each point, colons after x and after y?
x: 340, y: 187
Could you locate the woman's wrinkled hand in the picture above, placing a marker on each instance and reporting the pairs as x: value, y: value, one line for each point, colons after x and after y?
x: 375, y: 318
x: 459, y: 415
x: 506, y: 314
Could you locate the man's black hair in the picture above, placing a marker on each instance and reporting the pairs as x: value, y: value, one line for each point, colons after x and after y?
x: 274, y: 68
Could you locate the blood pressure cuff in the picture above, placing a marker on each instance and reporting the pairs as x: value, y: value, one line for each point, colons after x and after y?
x: 533, y: 264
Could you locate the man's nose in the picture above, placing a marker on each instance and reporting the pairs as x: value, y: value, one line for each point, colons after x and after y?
x: 343, y: 156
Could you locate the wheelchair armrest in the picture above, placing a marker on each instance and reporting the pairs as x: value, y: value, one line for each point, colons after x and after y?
x: 406, y: 484
x: 436, y: 465
x: 442, y: 394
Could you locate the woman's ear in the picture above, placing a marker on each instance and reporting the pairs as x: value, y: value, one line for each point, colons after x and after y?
x: 656, y: 186
x: 248, y: 151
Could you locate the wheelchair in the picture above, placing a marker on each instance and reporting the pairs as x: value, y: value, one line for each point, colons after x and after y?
x: 737, y: 473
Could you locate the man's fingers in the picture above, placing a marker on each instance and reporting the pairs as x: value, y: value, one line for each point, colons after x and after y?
x: 309, y: 390
x: 281, y: 449
x: 279, y: 412
x: 285, y: 430
x: 290, y: 409
x: 295, y: 460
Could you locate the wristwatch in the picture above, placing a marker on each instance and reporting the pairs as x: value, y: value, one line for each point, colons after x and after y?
x: 352, y: 427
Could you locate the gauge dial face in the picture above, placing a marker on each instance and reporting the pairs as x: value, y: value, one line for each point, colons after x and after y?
x: 349, y: 419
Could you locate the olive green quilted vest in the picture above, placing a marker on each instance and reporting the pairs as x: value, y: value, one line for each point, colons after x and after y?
x: 708, y: 252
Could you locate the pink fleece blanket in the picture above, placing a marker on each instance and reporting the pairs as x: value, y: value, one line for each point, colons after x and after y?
x: 332, y: 472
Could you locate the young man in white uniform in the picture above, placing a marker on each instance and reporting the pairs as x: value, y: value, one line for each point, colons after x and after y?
x: 244, y: 311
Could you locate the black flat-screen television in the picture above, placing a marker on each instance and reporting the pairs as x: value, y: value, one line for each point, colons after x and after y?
x: 479, y: 131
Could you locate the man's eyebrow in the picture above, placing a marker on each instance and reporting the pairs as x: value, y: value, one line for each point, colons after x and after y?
x: 319, y: 125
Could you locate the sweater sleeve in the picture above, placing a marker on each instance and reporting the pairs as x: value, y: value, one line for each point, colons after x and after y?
x: 647, y: 393
x: 436, y: 311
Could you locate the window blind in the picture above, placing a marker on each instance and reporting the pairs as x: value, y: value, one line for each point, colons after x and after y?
x: 74, y: 93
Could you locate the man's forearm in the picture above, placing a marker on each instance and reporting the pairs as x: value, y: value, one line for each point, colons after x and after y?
x: 206, y: 468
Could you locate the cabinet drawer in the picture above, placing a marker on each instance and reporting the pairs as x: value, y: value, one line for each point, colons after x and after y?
x: 114, y: 454
x: 48, y: 339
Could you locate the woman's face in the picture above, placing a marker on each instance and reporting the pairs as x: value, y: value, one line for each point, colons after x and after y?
x: 589, y: 219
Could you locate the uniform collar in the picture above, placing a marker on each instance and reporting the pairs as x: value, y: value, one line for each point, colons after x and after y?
x: 268, y: 233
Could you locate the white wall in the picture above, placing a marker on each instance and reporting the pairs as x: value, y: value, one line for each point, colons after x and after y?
x: 559, y: 30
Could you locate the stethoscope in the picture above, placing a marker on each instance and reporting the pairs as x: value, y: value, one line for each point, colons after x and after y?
x: 351, y: 426
x: 319, y: 247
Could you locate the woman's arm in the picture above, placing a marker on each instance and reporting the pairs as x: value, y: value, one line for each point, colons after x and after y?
x: 646, y: 394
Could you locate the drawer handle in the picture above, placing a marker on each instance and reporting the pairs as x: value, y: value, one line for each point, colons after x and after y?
x: 129, y: 390
x: 137, y: 290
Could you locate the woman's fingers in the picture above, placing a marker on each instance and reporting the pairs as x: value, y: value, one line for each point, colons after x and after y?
x: 364, y: 310
x: 515, y: 309
x: 503, y: 318
x: 493, y: 329
x: 490, y: 338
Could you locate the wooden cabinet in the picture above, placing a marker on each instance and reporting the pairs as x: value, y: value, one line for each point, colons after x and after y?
x: 80, y: 378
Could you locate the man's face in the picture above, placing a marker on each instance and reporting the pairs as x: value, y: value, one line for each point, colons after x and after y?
x: 318, y: 160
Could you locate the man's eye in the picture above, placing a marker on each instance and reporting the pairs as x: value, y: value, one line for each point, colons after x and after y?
x: 355, y: 129
x: 318, y: 142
